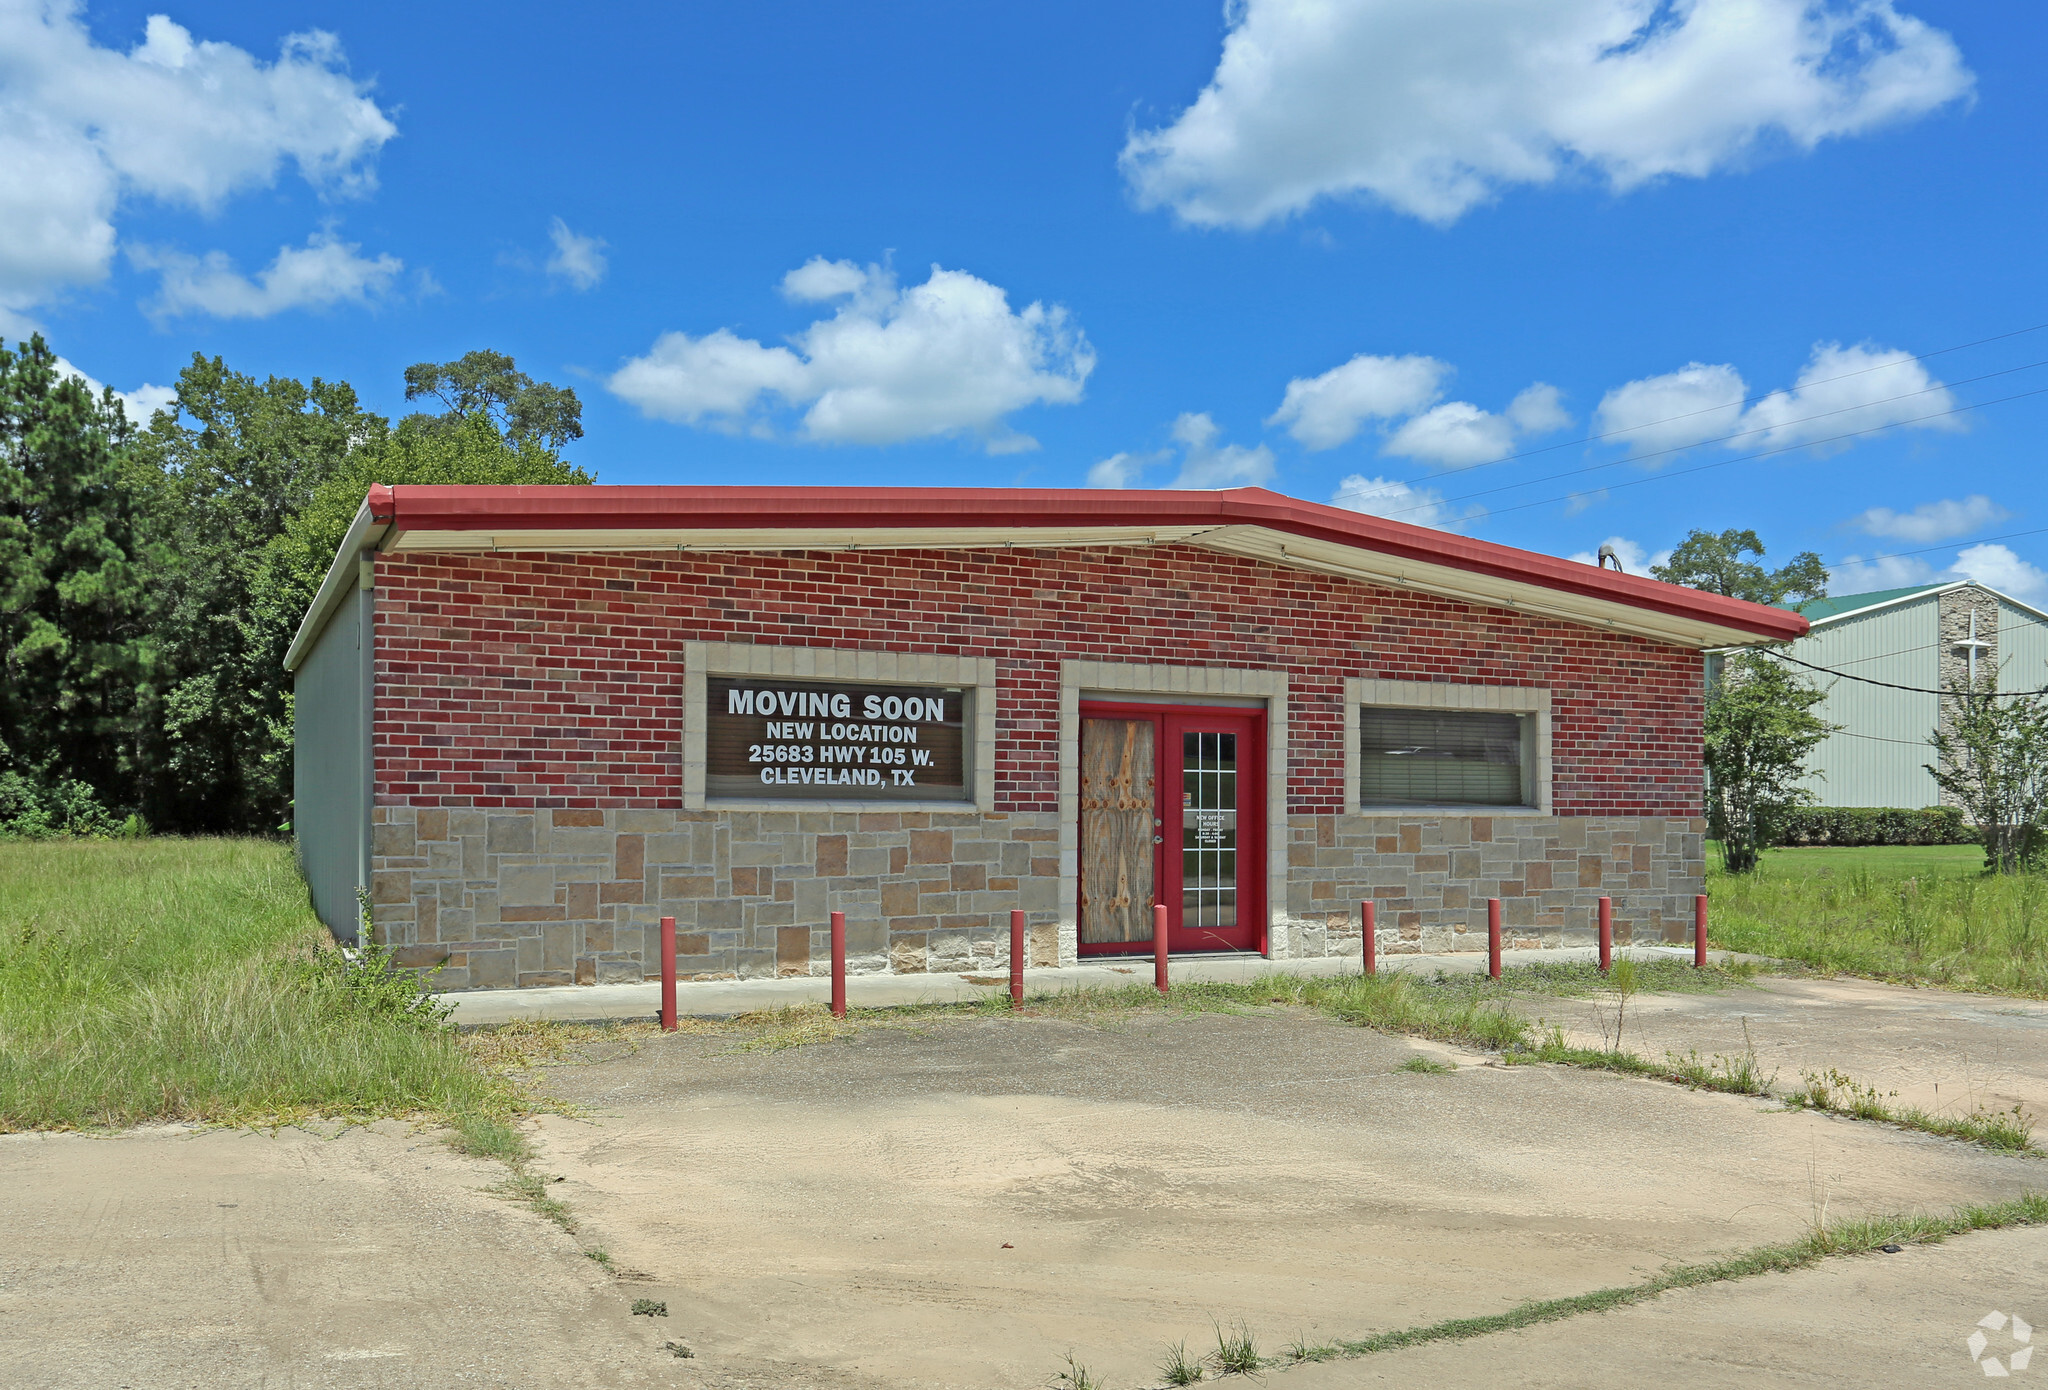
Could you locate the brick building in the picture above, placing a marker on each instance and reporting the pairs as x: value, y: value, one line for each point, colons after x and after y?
x: 532, y: 721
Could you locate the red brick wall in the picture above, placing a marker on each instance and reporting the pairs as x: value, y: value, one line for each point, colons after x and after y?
x: 537, y: 680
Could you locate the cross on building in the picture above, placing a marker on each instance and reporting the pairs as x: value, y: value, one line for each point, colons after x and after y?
x: 1974, y: 645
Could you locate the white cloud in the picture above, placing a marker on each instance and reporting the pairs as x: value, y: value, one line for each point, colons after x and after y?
x: 1635, y: 559
x: 1205, y: 465
x: 819, y: 281
x: 946, y: 357
x: 578, y: 259
x: 1932, y: 522
x: 1122, y: 470
x: 1674, y: 411
x: 1203, y: 462
x: 141, y: 403
x: 1324, y: 411
x: 1458, y: 434
x: 1841, y: 390
x: 1398, y: 501
x: 1997, y: 567
x: 1857, y: 575
x: 1539, y: 409
x: 324, y: 272
x: 186, y: 122
x: 1434, y: 108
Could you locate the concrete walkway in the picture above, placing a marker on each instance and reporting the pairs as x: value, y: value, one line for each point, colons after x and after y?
x: 484, y: 1008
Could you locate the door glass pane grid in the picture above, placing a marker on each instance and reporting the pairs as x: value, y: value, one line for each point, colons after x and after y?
x: 1208, y: 829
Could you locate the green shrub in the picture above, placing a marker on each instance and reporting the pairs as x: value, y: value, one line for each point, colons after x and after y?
x: 1871, y: 825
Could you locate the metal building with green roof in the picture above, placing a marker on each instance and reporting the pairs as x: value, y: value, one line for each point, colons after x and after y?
x: 1884, y: 655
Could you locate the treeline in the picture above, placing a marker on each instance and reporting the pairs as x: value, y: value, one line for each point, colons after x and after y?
x: 152, y: 573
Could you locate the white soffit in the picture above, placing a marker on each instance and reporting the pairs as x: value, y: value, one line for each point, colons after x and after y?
x: 1393, y: 571
x: 1251, y: 542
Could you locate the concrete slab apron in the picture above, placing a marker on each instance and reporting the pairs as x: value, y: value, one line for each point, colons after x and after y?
x: 960, y: 1202
x: 1943, y: 1051
x: 726, y: 998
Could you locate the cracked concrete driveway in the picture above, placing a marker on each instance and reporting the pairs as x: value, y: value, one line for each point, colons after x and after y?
x: 960, y: 1201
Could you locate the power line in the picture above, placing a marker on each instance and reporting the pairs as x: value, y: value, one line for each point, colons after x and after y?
x: 1801, y: 444
x: 1929, y: 550
x: 1708, y: 410
x: 1740, y: 458
x: 1874, y: 738
x: 1891, y: 685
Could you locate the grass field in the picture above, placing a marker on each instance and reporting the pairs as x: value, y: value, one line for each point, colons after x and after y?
x: 183, y: 979
x: 1924, y: 914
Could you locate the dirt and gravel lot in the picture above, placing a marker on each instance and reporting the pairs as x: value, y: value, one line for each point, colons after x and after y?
x: 961, y: 1201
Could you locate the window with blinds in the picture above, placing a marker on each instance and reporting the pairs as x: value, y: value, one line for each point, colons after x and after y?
x: 1431, y: 757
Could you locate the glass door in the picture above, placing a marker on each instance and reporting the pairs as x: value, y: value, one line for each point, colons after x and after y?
x: 1214, y: 831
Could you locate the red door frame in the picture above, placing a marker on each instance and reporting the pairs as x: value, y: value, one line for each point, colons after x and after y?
x: 1169, y: 722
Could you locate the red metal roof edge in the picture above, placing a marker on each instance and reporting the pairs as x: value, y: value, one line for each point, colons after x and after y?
x: 569, y: 507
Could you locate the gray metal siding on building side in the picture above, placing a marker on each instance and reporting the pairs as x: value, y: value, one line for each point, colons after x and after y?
x: 1879, y: 758
x: 330, y: 764
x: 2022, y: 648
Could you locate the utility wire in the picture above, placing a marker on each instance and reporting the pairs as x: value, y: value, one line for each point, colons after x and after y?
x: 1890, y: 685
x: 1929, y: 550
x: 1743, y: 458
x: 1761, y: 429
x: 1708, y: 410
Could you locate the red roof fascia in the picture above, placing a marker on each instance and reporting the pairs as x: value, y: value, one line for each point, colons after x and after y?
x: 653, y: 508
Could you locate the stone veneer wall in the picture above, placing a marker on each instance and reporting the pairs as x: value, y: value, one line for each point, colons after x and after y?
x: 576, y: 896
x: 1429, y: 879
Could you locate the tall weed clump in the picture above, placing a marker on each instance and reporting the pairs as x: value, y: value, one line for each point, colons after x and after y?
x: 187, y: 980
x: 1987, y: 932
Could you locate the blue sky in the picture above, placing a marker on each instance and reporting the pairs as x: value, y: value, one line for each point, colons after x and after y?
x: 1338, y: 250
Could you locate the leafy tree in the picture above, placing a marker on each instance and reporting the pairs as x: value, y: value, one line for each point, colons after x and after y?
x: 488, y: 384
x: 1993, y: 759
x: 75, y: 597
x: 229, y: 469
x: 1760, y: 726
x: 1715, y: 563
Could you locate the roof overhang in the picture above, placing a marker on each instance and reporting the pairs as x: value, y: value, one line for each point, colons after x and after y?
x: 1248, y: 522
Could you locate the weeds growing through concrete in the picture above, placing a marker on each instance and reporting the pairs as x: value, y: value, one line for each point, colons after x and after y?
x: 1075, y: 1377
x: 1827, y: 1239
x: 1237, y: 1351
x: 1179, y: 1368
x: 1621, y: 987
x: 1427, y: 1066
x: 2009, y: 1130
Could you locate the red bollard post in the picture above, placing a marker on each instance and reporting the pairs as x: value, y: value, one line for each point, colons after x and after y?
x: 1159, y: 947
x: 839, y: 965
x: 1493, y: 937
x: 1016, y: 960
x: 1606, y: 935
x: 668, y: 974
x: 1699, y: 932
x: 1371, y: 933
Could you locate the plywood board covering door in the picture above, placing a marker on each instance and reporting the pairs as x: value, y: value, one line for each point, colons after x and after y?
x: 1118, y: 803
